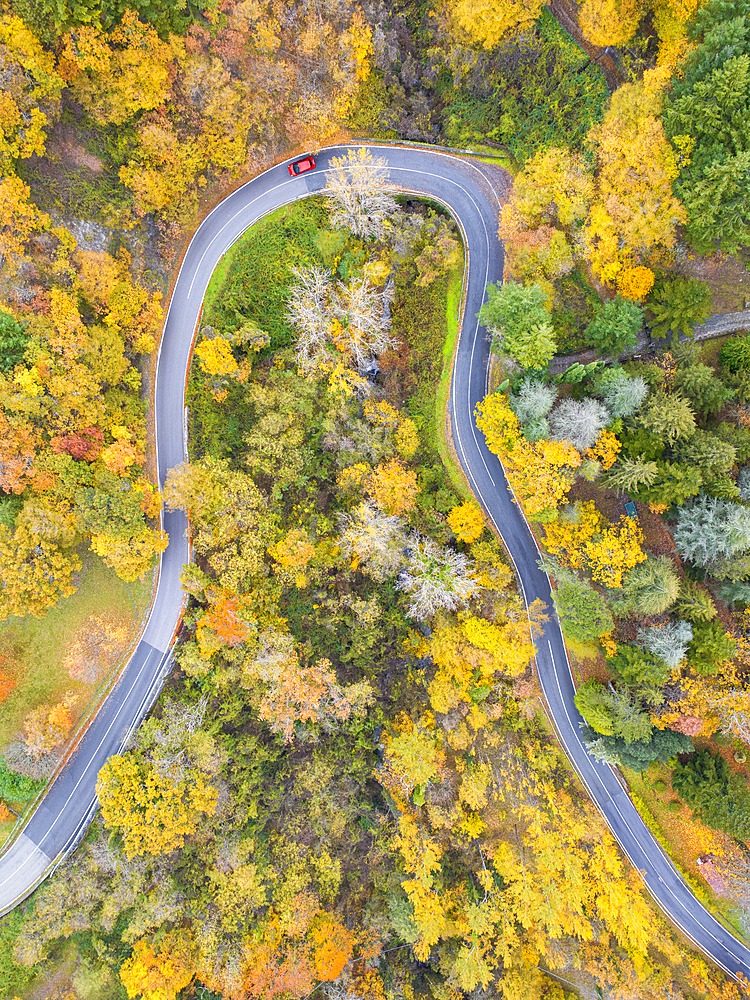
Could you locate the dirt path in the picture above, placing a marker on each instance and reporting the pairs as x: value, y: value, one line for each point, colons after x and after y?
x: 566, y: 13
x: 715, y: 326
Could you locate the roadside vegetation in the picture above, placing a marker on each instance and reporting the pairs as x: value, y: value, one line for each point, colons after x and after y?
x: 353, y: 721
x: 347, y: 786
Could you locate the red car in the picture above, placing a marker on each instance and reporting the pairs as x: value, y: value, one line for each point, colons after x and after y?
x: 302, y: 166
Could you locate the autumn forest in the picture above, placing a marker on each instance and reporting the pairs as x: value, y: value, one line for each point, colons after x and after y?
x: 350, y: 786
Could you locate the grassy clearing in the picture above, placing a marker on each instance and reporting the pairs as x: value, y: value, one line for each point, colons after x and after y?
x: 252, y: 280
x: 494, y: 159
x: 40, y: 644
x: 452, y: 315
x: 225, y: 266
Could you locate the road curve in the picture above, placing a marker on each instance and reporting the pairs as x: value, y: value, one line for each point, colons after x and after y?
x: 466, y: 189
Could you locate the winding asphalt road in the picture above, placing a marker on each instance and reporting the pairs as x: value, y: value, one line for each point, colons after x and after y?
x: 466, y: 188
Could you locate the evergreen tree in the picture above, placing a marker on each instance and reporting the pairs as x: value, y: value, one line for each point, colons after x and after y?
x: 674, y: 484
x: 621, y: 393
x: 695, y: 603
x: 703, y: 388
x: 615, y: 326
x: 710, y: 528
x: 710, y: 105
x: 705, y: 782
x: 710, y: 646
x: 637, y: 668
x: 707, y: 452
x: 578, y: 421
x: 735, y: 354
x: 630, y: 473
x: 661, y: 745
x: 533, y: 400
x: 669, y: 416
x: 612, y: 713
x: 653, y: 586
x: 677, y: 305
x: 669, y: 642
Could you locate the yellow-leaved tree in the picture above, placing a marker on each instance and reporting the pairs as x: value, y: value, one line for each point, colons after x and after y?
x: 153, y: 811
x: 634, y: 213
x: 610, y: 22
x: 159, y: 971
x: 541, y: 473
x: 392, y: 488
x: 466, y: 521
x: 585, y: 540
x: 30, y: 96
x: 488, y: 22
x: 114, y: 75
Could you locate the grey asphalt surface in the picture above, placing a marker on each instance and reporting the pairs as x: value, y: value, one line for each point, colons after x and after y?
x: 466, y: 188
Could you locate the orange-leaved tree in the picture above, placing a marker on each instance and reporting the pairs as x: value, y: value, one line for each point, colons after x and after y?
x: 96, y: 646
x: 310, y: 693
x: 272, y: 972
x: 393, y: 488
x: 46, y: 727
x: 333, y: 946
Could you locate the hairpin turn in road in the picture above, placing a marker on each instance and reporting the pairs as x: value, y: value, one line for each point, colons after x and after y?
x: 466, y: 188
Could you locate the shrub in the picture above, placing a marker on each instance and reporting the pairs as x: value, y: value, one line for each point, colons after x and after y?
x: 15, y: 787
x: 735, y: 354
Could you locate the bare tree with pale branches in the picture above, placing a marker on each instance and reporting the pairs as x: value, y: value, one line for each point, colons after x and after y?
x: 437, y: 579
x: 308, y: 309
x: 363, y: 331
x: 356, y: 186
x: 733, y: 709
x: 348, y: 322
x: 374, y: 539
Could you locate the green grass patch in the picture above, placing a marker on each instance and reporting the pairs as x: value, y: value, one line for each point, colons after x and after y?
x: 548, y: 94
x: 40, y: 644
x: 252, y: 281
x: 452, y: 316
